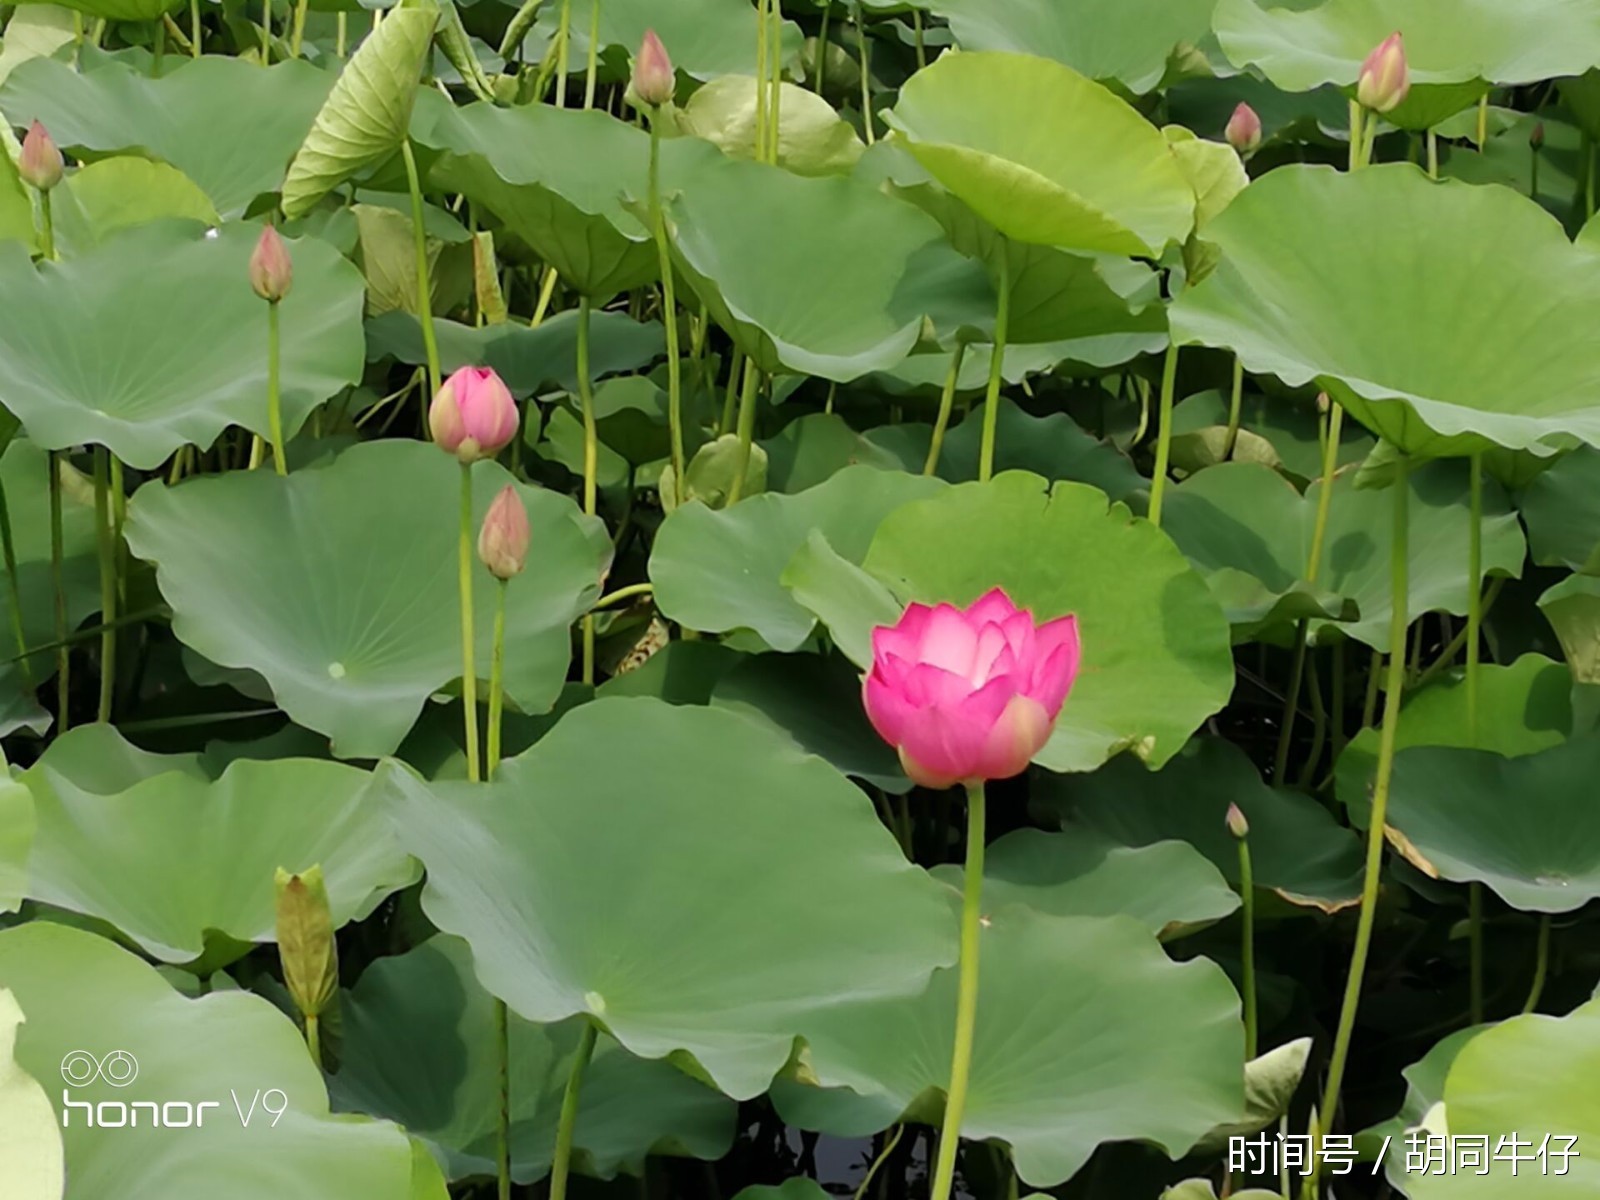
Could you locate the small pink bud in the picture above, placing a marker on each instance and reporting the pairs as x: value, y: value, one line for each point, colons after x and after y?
x: 271, y: 272
x: 1385, y: 79
x: 1244, y: 130
x: 41, y: 163
x: 473, y: 415
x: 1237, y: 825
x: 503, y: 540
x: 654, y: 82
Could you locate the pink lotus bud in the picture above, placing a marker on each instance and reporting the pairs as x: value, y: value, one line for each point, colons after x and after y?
x: 473, y: 416
x: 271, y: 272
x: 1237, y: 825
x: 503, y: 540
x: 1385, y: 79
x: 654, y: 82
x: 969, y: 694
x: 1244, y: 130
x: 41, y: 163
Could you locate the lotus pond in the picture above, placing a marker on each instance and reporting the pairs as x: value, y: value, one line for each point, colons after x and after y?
x: 775, y: 599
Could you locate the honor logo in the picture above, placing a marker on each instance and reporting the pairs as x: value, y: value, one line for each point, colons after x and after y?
x: 118, y: 1069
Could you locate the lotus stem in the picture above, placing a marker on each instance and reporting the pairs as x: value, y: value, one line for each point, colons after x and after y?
x: 1158, y: 481
x: 469, y: 670
x: 419, y: 238
x: 997, y: 361
x: 1377, y: 820
x: 497, y: 662
x: 775, y: 61
x: 563, y: 52
x: 591, y: 460
x: 889, y: 1144
x: 592, y: 70
x: 8, y: 545
x: 47, y: 228
x: 731, y: 394
x: 1541, y: 965
x: 1291, y: 706
x: 1235, y: 405
x: 63, y: 648
x: 297, y: 36
x: 916, y: 30
x: 1357, y: 134
x: 502, y: 1037
x: 866, y: 75
x: 547, y: 289
x: 669, y: 310
x: 763, y: 34
x: 266, y: 33
x: 108, y: 583
x: 194, y: 28
x: 821, y: 64
x: 1247, y: 947
x: 748, y: 399
x: 966, y: 999
x: 562, y: 1164
x: 1330, y: 467
x: 280, y: 460
x: 947, y: 401
x: 1483, y: 122
x: 1433, y: 154
x: 1475, y: 942
x: 623, y: 594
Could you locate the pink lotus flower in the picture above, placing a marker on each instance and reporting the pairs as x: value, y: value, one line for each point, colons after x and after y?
x: 41, y: 163
x: 271, y: 272
x: 1385, y: 78
x: 969, y: 694
x: 503, y: 540
x: 1244, y: 130
x: 654, y: 81
x: 473, y: 416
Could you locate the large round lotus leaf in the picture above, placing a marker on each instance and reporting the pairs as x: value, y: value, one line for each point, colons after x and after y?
x: 119, y: 10
x: 1525, y: 1078
x: 84, y: 995
x: 30, y: 1138
x: 1523, y: 826
x: 1103, y: 39
x: 1573, y: 609
x: 1044, y: 154
x: 789, y: 1189
x: 1249, y: 531
x: 1562, y: 509
x: 1357, y: 281
x: 1297, y: 849
x: 86, y: 356
x: 168, y: 857
x: 338, y: 584
x: 719, y: 570
x: 115, y: 193
x: 1523, y: 708
x: 1156, y: 658
x: 705, y: 38
x: 1167, y: 887
x: 671, y: 944
x: 1086, y: 1033
x: 813, y: 139
x: 224, y: 122
x: 1453, y: 51
x: 445, y: 1087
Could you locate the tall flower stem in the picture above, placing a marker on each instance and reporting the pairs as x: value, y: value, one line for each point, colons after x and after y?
x: 1541, y: 965
x: 866, y: 74
x: 775, y: 62
x: 419, y: 241
x: 820, y: 69
x: 14, y: 588
x: 966, y: 999
x: 1247, y: 948
x: 591, y: 74
x: 591, y: 460
x: 108, y: 582
x: 997, y: 361
x: 502, y: 1029
x: 63, y: 657
x: 669, y: 308
x: 47, y: 228
x: 469, y: 670
x: 497, y: 663
x: 563, y: 52
x: 1235, y: 405
x: 561, y: 1166
x: 298, y: 30
x: 1158, y: 481
x: 1380, y: 805
x: 748, y: 397
x: 947, y: 401
x: 194, y: 28
x: 280, y: 460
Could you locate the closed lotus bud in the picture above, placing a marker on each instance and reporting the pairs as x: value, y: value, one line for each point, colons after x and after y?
x: 503, y: 540
x: 1323, y: 403
x: 1385, y: 79
x: 1237, y: 825
x: 1536, y: 138
x: 306, y: 945
x: 654, y: 82
x: 271, y: 272
x: 473, y: 415
x: 1244, y: 130
x: 41, y: 163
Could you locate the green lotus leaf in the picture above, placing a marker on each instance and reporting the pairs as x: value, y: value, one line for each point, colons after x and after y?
x: 115, y: 193
x: 789, y: 1189
x: 669, y: 959
x: 446, y: 1087
x: 1270, y: 1082
x: 1044, y: 154
x: 1155, y: 645
x: 1453, y: 52
x: 1202, y: 1189
x: 1573, y: 609
x: 1296, y: 847
x: 1425, y: 1080
x: 1249, y: 531
x: 16, y: 840
x: 1356, y: 281
x: 1168, y: 887
x: 1214, y: 170
x: 1562, y: 509
x: 84, y: 996
x: 1130, y: 1045
x: 30, y: 1139
x: 367, y: 114
x: 338, y: 585
x: 705, y: 38
x: 1273, y: 430
x: 816, y: 447
x: 813, y: 139
x: 716, y: 571
x: 118, y: 10
x: 843, y: 292
x: 169, y: 857
x: 35, y: 31
x: 224, y: 122
x: 1448, y: 815
x: 387, y: 255
x: 1103, y: 39
x: 85, y: 357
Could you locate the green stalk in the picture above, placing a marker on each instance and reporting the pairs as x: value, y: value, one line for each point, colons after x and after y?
x: 866, y: 75
x: 1483, y: 122
x: 47, y: 228
x: 280, y: 460
x: 1291, y: 707
x: 748, y: 398
x: 9, y: 546
x: 108, y: 583
x: 947, y: 401
x: 469, y: 670
x: 997, y: 362
x: 502, y: 1031
x: 763, y: 33
x: 1235, y: 404
x: 669, y: 308
x: 591, y: 460
x: 562, y: 1163
x: 1357, y: 120
x: 967, y: 998
x: 1247, y: 949
x: 822, y: 45
x: 916, y: 29
x: 1380, y: 804
x: 63, y: 650
x: 419, y: 238
x: 1330, y: 465
x: 496, y: 681
x: 194, y: 28
x: 266, y: 33
x: 592, y: 71
x: 563, y: 52
x: 889, y: 1144
x: 775, y: 105
x: 342, y: 37
x: 1475, y: 941
x: 297, y: 36
x: 1541, y: 965
x: 1158, y: 482
x: 1433, y: 154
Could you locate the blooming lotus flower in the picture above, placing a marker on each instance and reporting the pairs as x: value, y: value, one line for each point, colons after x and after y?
x: 40, y: 164
x: 1244, y: 130
x: 473, y: 416
x: 271, y: 272
x: 503, y: 540
x: 1385, y: 79
x: 654, y: 81
x: 969, y: 694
